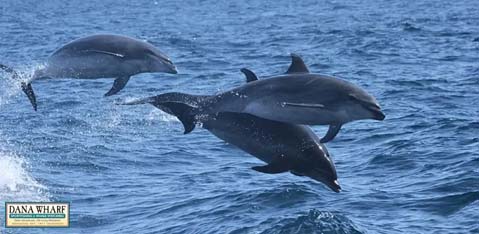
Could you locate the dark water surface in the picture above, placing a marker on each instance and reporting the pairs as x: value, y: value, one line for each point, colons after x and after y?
x: 129, y: 169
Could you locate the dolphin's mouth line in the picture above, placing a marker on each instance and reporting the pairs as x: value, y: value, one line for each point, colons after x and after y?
x: 334, y: 186
x: 317, y: 175
x: 163, y: 58
x: 375, y: 109
x: 378, y: 114
x: 166, y: 60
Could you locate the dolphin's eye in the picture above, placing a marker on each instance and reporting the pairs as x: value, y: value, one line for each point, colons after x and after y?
x: 160, y: 57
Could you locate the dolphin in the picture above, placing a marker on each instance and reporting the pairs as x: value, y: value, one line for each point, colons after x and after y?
x: 99, y: 56
x: 297, y: 97
x: 283, y: 146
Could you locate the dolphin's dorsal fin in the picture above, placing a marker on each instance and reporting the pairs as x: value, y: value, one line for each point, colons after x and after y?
x: 297, y: 65
x: 250, y: 76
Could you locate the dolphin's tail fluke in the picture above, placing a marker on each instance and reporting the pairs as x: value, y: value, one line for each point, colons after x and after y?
x: 182, y: 111
x: 181, y: 105
x: 26, y: 87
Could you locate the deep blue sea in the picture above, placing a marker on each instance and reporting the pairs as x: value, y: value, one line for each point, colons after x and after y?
x: 130, y: 169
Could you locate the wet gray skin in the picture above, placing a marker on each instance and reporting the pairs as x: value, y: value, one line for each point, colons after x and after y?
x: 298, y: 97
x: 100, y: 56
x: 283, y: 146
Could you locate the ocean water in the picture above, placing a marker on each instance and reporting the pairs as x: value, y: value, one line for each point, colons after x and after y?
x: 129, y: 169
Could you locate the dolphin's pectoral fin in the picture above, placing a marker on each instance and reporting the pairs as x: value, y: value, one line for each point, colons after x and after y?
x: 306, y: 105
x: 297, y: 65
x: 332, y: 132
x: 250, y: 76
x: 118, y: 85
x: 182, y: 111
x: 28, y: 90
x: 275, y: 167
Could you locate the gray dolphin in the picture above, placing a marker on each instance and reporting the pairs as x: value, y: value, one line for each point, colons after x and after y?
x: 100, y: 56
x: 298, y: 97
x: 283, y: 146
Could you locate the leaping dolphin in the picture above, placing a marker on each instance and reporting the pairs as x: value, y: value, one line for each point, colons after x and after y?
x: 283, y: 146
x: 297, y: 97
x: 100, y: 56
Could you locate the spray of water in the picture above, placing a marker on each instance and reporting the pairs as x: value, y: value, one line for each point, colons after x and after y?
x: 16, y: 183
x: 16, y: 180
x: 156, y: 114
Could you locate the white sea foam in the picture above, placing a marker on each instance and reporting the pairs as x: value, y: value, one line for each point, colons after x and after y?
x: 16, y: 182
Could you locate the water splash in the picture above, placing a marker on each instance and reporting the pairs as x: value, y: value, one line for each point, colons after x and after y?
x: 10, y: 88
x: 156, y: 115
x: 315, y: 222
x: 16, y: 183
